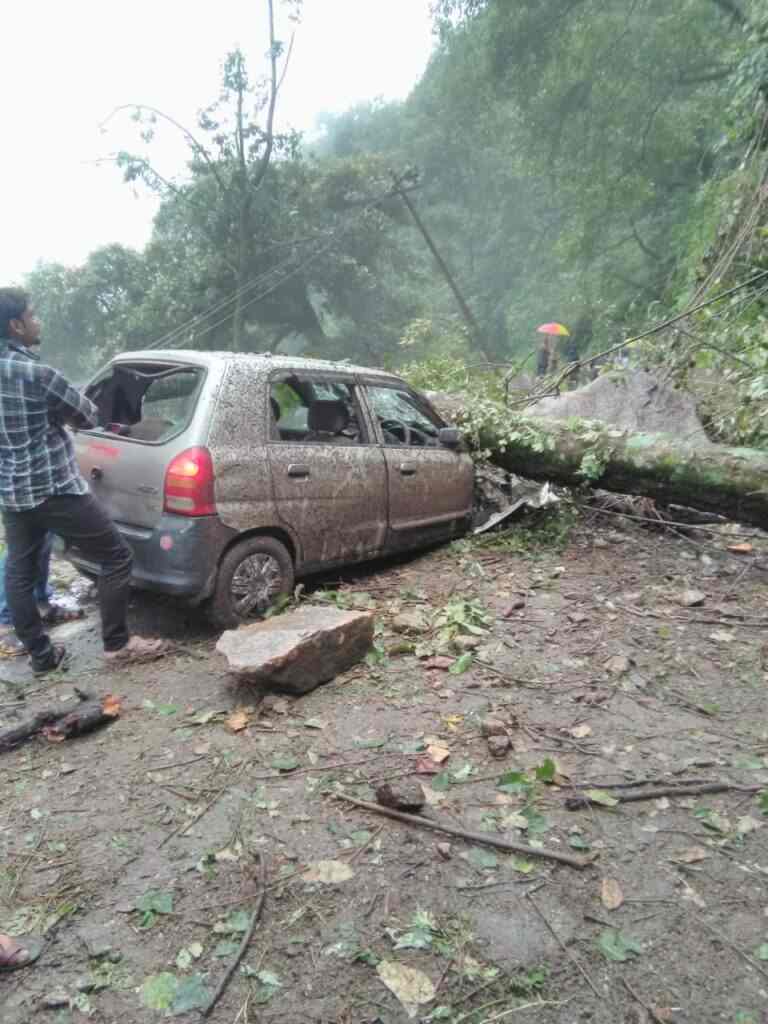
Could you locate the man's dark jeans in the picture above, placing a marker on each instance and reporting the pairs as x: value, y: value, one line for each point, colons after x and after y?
x: 81, y: 521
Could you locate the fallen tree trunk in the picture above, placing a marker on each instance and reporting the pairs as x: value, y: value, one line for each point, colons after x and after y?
x: 732, y: 482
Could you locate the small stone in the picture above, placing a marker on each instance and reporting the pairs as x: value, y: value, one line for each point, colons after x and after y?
x: 98, y: 948
x: 498, y: 746
x: 691, y: 598
x: 577, y: 617
x: 514, y: 606
x: 493, y: 727
x: 444, y: 849
x: 85, y: 984
x: 467, y: 643
x: 618, y: 665
x: 114, y: 956
x: 55, y: 999
x: 411, y: 622
x: 401, y: 796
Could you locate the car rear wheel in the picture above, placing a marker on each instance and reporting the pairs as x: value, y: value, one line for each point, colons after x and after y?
x: 252, y: 575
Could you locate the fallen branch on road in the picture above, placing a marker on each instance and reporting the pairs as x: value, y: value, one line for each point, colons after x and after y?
x: 72, y: 718
x: 255, y: 916
x: 482, y: 838
x: 577, y: 803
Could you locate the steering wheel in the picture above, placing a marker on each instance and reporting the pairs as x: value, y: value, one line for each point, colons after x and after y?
x: 397, y: 428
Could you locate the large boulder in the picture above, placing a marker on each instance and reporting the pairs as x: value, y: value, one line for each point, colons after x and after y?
x: 298, y: 650
x: 633, y: 400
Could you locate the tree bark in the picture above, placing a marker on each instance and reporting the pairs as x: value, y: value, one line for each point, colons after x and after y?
x: 732, y: 482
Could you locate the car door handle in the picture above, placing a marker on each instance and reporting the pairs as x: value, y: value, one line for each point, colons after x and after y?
x: 298, y: 471
x: 408, y: 468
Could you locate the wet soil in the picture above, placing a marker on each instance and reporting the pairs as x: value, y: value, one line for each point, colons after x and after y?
x: 136, y: 848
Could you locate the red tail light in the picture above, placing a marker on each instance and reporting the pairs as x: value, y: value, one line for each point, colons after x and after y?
x: 188, y: 487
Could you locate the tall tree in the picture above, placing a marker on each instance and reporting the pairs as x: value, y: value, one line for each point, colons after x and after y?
x: 231, y: 150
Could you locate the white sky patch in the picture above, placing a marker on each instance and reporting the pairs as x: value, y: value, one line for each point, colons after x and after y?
x: 66, y: 66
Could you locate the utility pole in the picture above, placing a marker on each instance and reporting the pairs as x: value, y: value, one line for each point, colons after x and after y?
x: 466, y: 312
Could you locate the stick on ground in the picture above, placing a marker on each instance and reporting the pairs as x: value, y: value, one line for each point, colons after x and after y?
x: 17, y: 735
x: 255, y: 916
x: 577, y: 803
x: 482, y: 838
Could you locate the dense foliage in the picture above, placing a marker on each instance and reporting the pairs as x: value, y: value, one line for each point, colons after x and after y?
x: 598, y: 162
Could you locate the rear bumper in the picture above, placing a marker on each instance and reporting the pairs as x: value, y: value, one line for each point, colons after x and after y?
x: 179, y: 556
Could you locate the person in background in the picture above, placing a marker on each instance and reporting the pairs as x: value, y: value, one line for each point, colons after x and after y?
x: 42, y: 491
x: 51, y: 612
x: 545, y: 357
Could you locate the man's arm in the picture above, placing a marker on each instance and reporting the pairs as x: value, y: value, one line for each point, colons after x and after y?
x: 66, y: 402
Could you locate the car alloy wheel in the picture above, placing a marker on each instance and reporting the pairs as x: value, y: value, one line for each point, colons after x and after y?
x: 255, y: 583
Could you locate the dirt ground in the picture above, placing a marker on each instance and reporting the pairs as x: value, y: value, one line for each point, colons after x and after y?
x: 137, y: 849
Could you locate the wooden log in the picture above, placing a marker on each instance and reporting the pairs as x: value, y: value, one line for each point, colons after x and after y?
x: 89, y: 716
x: 69, y: 719
x: 18, y: 734
x: 732, y: 482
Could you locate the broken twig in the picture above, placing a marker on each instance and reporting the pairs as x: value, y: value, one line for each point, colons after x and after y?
x: 255, y: 916
x: 562, y: 945
x: 577, y: 803
x: 482, y: 838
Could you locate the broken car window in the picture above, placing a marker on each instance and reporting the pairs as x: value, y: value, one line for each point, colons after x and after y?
x: 314, y: 411
x: 404, y: 420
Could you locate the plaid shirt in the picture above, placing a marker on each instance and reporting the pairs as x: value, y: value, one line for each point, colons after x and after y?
x: 37, y: 458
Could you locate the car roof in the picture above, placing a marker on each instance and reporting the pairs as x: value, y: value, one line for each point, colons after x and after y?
x: 208, y: 359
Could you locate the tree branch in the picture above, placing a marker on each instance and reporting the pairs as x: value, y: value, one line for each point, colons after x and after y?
x: 197, y: 146
x: 273, y: 87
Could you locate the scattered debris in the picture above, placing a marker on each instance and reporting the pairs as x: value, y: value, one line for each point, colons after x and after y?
x: 300, y: 649
x: 328, y: 872
x: 598, y: 797
x: 412, y: 622
x: 402, y: 796
x: 482, y: 838
x: 247, y: 936
x: 525, y: 495
x: 55, y: 999
x: 499, y: 746
x: 491, y: 726
x: 71, y: 718
x: 410, y: 987
x: 611, y: 895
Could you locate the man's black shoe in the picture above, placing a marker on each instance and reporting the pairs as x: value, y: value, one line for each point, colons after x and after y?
x: 55, y: 659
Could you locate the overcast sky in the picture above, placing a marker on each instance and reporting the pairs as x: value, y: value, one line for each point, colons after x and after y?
x: 66, y: 66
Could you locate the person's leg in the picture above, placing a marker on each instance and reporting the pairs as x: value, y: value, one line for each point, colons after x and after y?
x: 81, y: 520
x: 24, y: 537
x: 5, y: 611
x: 43, y: 588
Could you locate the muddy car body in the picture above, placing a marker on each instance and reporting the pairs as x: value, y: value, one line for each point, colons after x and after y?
x: 232, y: 475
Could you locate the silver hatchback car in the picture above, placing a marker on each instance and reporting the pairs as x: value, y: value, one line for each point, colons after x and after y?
x: 232, y: 475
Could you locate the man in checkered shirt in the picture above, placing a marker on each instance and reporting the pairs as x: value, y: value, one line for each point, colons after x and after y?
x: 41, y: 490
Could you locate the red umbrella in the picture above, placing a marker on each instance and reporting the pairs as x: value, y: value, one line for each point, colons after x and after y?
x: 553, y: 328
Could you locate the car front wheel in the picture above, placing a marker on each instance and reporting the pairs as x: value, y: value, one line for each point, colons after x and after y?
x: 252, y: 575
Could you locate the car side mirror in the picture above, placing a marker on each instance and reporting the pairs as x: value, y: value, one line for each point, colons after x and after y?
x: 449, y: 437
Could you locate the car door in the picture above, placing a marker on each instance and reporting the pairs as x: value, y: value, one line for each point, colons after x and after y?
x: 430, y: 486
x: 330, y: 485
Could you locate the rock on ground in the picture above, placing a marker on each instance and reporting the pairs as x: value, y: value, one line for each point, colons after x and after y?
x: 404, y: 795
x: 634, y: 400
x: 299, y: 650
